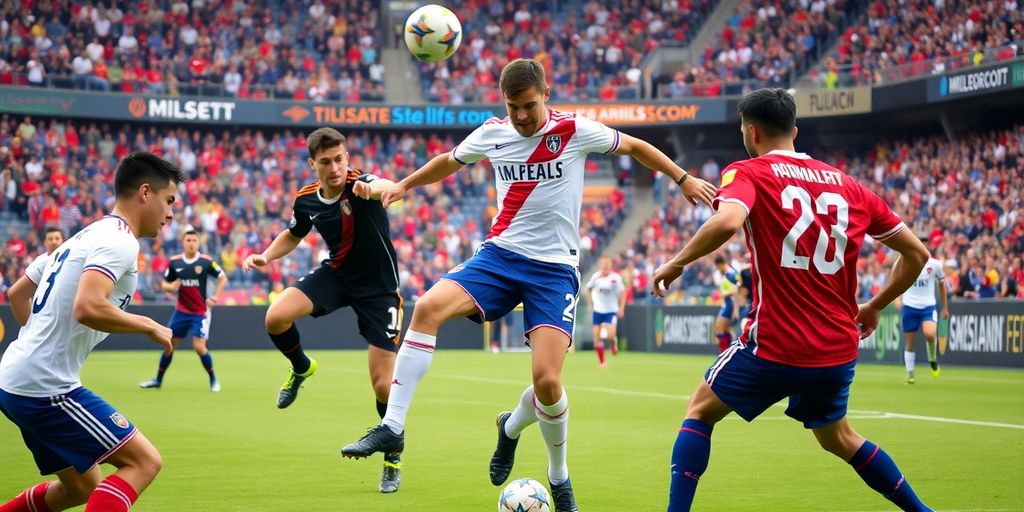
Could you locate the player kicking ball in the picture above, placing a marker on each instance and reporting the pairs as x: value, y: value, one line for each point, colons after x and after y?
x: 360, y: 272
x: 186, y: 276
x: 804, y: 222
x: 530, y: 256
x: 83, y: 290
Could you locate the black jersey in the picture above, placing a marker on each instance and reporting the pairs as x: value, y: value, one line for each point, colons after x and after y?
x: 747, y: 281
x: 192, y: 274
x: 357, y: 233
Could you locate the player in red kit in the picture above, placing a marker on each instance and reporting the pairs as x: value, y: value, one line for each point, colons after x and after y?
x: 804, y: 223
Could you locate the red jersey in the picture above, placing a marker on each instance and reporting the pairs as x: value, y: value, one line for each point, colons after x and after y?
x: 805, y: 226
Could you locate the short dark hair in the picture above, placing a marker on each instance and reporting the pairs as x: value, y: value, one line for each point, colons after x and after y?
x: 323, y: 138
x: 54, y: 229
x: 521, y: 74
x: 771, y: 109
x: 190, y: 232
x: 143, y: 167
x: 719, y: 259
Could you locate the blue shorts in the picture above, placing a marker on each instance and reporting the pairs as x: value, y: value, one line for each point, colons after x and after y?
x: 183, y: 324
x: 749, y: 385
x: 604, y: 318
x: 77, y: 429
x: 914, y: 317
x: 727, y: 308
x: 498, y: 280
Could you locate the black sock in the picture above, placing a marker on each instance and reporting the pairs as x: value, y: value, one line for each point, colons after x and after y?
x: 394, y: 458
x: 288, y: 343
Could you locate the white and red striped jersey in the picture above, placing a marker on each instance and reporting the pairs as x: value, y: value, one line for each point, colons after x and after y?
x: 539, y: 180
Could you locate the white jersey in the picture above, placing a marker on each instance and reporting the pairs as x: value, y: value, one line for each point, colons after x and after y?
x: 34, y: 272
x: 539, y: 180
x: 605, y: 291
x: 48, y: 355
x: 922, y: 293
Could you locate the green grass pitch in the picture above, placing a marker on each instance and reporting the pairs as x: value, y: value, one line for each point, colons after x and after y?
x: 236, y: 451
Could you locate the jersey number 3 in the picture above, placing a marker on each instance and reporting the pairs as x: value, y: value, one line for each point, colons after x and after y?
x: 794, y: 194
x: 38, y: 306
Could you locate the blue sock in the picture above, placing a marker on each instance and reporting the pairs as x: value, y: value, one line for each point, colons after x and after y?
x: 879, y: 471
x: 208, y: 364
x: 689, y: 460
x: 165, y: 361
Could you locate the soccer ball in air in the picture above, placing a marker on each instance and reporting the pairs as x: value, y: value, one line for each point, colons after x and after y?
x: 524, y: 495
x: 433, y: 33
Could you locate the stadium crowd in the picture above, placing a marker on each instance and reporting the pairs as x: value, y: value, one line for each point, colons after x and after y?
x: 293, y: 50
x: 590, y: 54
x: 761, y: 45
x: 964, y: 197
x: 894, y: 40
x: 238, y: 196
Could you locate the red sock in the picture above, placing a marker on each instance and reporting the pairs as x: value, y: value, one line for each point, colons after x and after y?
x: 112, y: 495
x: 599, y: 347
x: 615, y: 347
x: 29, y: 501
x: 724, y: 340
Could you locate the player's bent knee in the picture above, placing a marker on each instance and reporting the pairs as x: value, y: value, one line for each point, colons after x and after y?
x: 78, y: 488
x: 547, y: 387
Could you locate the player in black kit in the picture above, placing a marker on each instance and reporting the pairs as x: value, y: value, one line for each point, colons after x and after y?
x: 361, y: 272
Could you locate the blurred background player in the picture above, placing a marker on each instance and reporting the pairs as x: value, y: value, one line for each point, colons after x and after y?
x: 917, y: 313
x: 361, y: 273
x: 531, y: 256
x: 803, y: 340
x: 89, y: 283
x: 607, y: 301
x: 728, y: 280
x: 186, y: 276
x: 25, y: 286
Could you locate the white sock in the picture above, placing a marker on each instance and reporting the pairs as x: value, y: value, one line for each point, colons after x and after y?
x: 522, y: 416
x: 554, y: 426
x: 410, y: 365
x: 909, y: 360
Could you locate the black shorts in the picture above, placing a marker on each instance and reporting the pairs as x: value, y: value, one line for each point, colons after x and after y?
x: 380, y: 315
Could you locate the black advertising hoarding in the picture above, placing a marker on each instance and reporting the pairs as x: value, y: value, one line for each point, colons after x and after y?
x: 980, y: 333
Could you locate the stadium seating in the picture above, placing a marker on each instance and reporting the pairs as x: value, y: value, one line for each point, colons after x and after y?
x: 262, y: 49
x: 761, y: 44
x: 891, y: 41
x: 593, y: 54
x: 238, y: 195
x: 959, y: 195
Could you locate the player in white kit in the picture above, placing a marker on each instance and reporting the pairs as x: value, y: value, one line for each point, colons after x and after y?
x: 607, y: 300
x: 530, y: 256
x: 917, y: 308
x: 25, y: 286
x: 83, y: 290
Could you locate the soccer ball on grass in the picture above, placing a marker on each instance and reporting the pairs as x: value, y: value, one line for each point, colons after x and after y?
x: 524, y: 495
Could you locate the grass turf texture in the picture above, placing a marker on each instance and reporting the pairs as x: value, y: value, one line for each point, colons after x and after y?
x: 236, y: 451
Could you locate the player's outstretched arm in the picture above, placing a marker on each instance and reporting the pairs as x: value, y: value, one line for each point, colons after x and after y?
x: 92, y: 308
x: 437, y: 169
x: 715, y: 232
x: 20, y: 297
x: 913, y: 256
x: 372, y: 190
x: 694, y: 188
x: 285, y: 243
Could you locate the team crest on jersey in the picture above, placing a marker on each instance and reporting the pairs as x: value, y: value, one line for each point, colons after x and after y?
x: 346, y: 208
x: 119, y: 420
x: 930, y: 270
x: 198, y: 269
x: 553, y: 142
x: 455, y: 269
